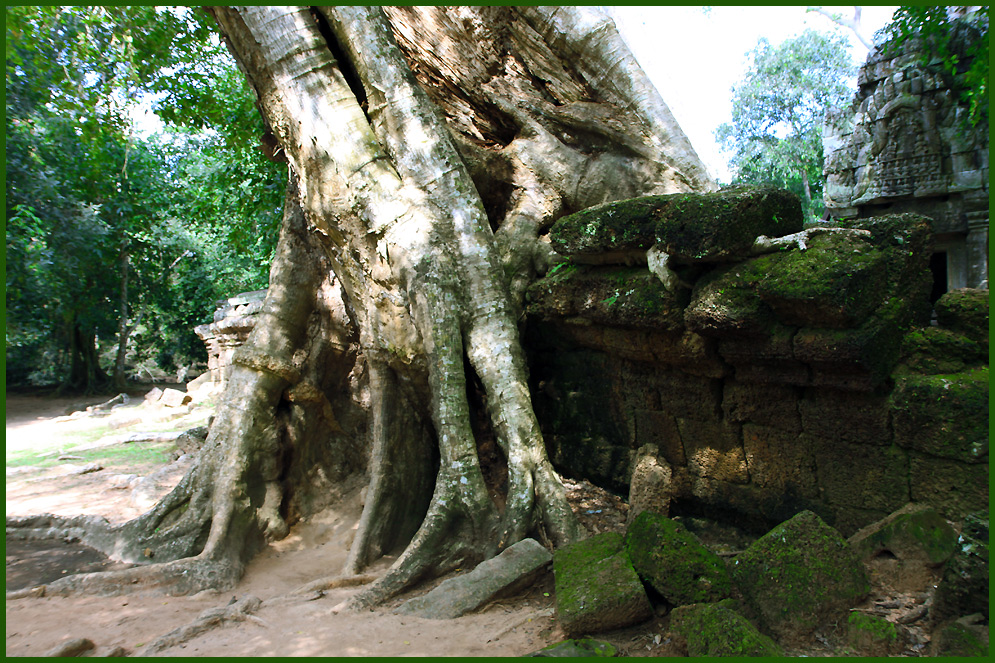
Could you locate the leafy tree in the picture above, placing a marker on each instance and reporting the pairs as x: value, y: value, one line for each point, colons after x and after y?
x: 955, y: 42
x: 778, y: 109
x: 421, y: 181
x: 92, y: 241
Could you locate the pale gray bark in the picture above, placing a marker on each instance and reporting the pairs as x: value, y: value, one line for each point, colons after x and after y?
x: 433, y: 148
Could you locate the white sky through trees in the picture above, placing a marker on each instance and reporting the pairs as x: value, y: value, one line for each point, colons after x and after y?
x: 695, y: 54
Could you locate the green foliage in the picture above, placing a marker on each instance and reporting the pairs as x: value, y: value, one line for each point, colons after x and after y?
x: 188, y: 216
x: 778, y: 109
x: 956, y: 46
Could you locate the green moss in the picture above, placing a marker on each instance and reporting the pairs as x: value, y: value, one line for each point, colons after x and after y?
x: 959, y: 640
x: 596, y: 587
x: 835, y: 283
x: 585, y: 647
x: 965, y: 311
x: 933, y: 350
x: 871, y: 634
x: 674, y: 562
x: 714, y: 630
x: 799, y: 574
x: 944, y: 415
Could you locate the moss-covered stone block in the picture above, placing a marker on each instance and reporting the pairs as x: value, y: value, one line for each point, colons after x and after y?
x: 724, y: 304
x: 861, y: 475
x: 933, y: 350
x: 615, y: 296
x: 836, y: 283
x: 714, y: 630
x: 621, y: 226
x: 861, y: 358
x: 960, y: 639
x: 954, y: 488
x: 688, y: 226
x: 582, y: 647
x: 674, y: 562
x: 800, y: 574
x: 965, y: 311
x: 715, y: 226
x: 943, y: 415
x: 597, y: 588
x: 915, y: 534
x: 871, y: 635
x: 963, y: 589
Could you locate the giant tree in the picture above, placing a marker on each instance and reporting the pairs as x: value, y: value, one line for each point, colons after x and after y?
x: 430, y: 149
x: 775, y: 136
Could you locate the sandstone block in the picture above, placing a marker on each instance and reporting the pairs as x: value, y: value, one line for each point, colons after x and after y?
x: 714, y: 630
x: 674, y: 562
x: 800, y: 574
x: 596, y: 587
x: 515, y: 567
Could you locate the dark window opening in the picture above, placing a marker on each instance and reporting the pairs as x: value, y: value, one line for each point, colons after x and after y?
x: 938, y: 266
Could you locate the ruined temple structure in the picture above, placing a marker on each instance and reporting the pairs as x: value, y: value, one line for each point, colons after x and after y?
x: 702, y: 354
x: 679, y: 355
x: 904, y: 146
x: 233, y: 320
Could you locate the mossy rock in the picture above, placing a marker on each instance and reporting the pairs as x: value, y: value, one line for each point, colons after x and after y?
x: 934, y: 350
x: 716, y: 226
x: 915, y: 533
x: 714, y: 630
x: 836, y: 283
x: 871, y: 635
x: 613, y: 296
x: 965, y: 311
x: 583, y: 647
x: 963, y: 589
x: 674, y: 562
x: 799, y: 575
x: 960, y: 639
x: 725, y: 304
x: 687, y: 226
x: 943, y: 415
x: 866, y: 354
x: 625, y: 225
x: 596, y: 587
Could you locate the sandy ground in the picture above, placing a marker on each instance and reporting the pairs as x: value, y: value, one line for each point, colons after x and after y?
x: 298, y: 627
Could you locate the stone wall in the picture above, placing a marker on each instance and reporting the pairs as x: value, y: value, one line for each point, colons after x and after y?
x: 233, y: 320
x: 765, y: 383
x: 903, y: 146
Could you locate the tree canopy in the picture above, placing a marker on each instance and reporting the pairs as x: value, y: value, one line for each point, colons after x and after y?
x: 778, y: 109
x: 113, y: 234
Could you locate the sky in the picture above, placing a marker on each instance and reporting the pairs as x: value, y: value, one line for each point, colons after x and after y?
x: 694, y: 55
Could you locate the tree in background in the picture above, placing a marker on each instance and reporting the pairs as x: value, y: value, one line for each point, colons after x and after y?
x: 778, y: 109
x: 110, y: 236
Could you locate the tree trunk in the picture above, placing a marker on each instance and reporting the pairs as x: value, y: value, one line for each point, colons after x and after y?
x: 123, y: 331
x: 432, y: 148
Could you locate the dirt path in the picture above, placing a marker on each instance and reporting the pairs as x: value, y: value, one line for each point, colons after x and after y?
x: 314, y: 549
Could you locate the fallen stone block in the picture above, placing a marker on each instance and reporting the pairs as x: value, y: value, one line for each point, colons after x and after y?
x: 596, y: 587
x: 799, y: 575
x: 710, y: 629
x: 674, y: 562
x: 514, y: 568
x: 585, y: 647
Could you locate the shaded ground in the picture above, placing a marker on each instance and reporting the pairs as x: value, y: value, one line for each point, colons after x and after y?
x: 31, y: 563
x: 133, y: 475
